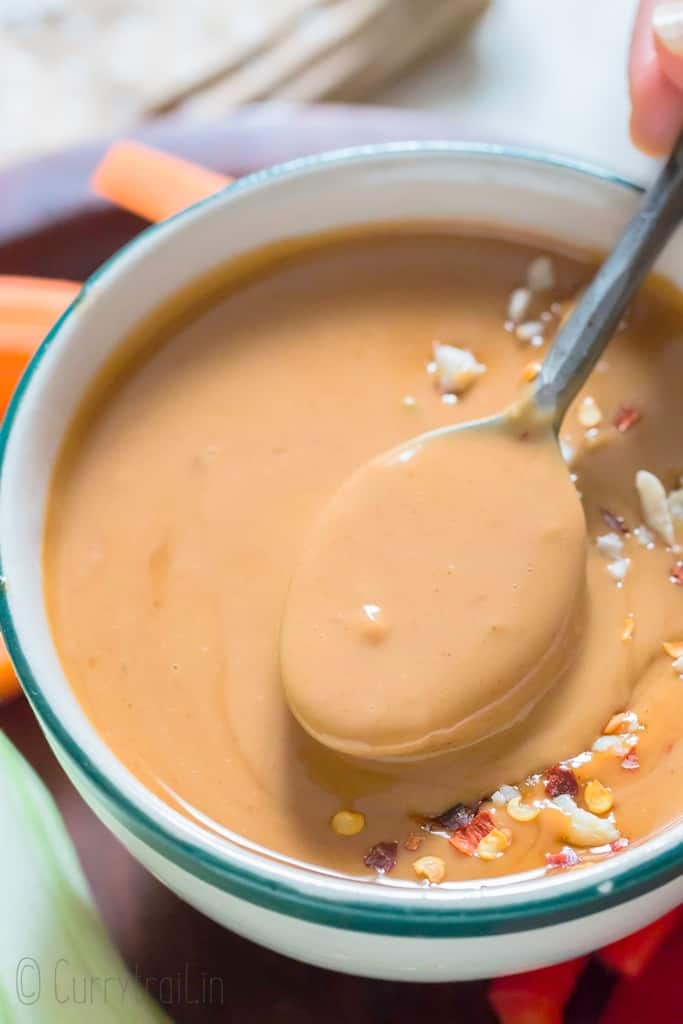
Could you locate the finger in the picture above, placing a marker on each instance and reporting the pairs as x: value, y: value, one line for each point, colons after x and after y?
x: 667, y: 26
x: 656, y: 103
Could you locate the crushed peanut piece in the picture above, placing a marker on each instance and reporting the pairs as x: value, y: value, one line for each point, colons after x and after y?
x: 494, y: 844
x: 504, y: 794
x: 431, y: 868
x: 624, y: 721
x: 582, y: 828
x: 598, y: 798
x: 348, y: 823
x: 590, y: 413
x: 530, y: 371
x: 518, y: 307
x: 413, y: 842
x: 540, y: 274
x: 620, y: 745
x: 618, y: 569
x: 644, y: 537
x: 674, y: 648
x: 521, y: 812
x: 629, y: 627
x: 610, y: 545
x: 656, y: 512
x: 675, y: 502
x: 531, y: 331
x: 457, y: 368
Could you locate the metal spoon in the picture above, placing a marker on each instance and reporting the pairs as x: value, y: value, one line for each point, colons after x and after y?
x: 382, y: 654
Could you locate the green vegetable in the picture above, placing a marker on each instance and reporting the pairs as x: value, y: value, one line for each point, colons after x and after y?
x: 57, y: 962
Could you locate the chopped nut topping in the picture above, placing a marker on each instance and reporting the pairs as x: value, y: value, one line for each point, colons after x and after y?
x: 531, y: 331
x: 654, y: 504
x: 590, y: 413
x: 504, y: 794
x: 431, y: 868
x: 467, y: 839
x: 566, y: 858
x: 457, y: 368
x: 599, y: 799
x: 518, y: 307
x: 582, y: 828
x: 610, y: 545
x: 521, y: 812
x: 675, y: 501
x: 625, y: 418
x: 560, y: 780
x: 674, y: 648
x: 629, y: 627
x: 381, y: 857
x: 624, y: 721
x: 348, y: 823
x: 494, y: 844
x: 530, y: 371
x: 618, y: 569
x: 620, y: 745
x: 617, y: 523
x: 540, y: 274
x: 676, y: 575
x: 413, y: 842
x: 644, y: 537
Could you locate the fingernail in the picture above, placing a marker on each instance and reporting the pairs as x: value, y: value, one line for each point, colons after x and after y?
x: 667, y: 25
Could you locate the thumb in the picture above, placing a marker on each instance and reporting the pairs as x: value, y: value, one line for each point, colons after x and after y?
x: 656, y: 101
x: 667, y: 28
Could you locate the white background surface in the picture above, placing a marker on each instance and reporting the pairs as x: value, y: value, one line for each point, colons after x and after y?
x: 546, y: 73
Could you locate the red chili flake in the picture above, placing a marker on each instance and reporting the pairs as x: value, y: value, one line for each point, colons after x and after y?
x: 457, y: 816
x: 467, y: 838
x: 559, y: 780
x: 619, y: 844
x: 412, y: 842
x: 677, y: 573
x: 630, y: 761
x: 626, y: 417
x: 566, y: 858
x: 381, y: 857
x: 617, y: 523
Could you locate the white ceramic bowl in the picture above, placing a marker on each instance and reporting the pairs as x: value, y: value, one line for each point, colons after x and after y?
x: 464, y: 931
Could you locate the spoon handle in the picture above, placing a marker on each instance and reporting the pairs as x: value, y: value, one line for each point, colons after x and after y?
x: 581, y: 341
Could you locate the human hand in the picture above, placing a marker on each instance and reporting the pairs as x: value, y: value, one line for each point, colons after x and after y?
x: 656, y: 75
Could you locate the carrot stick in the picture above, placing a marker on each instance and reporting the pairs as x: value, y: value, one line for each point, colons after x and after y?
x: 630, y: 956
x: 151, y: 183
x: 536, y: 997
x: 33, y: 301
x: 9, y: 684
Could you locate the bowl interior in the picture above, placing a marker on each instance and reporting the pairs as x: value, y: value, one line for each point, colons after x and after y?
x: 485, y: 185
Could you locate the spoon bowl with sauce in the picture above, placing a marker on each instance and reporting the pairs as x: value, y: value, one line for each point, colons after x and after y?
x: 440, y: 596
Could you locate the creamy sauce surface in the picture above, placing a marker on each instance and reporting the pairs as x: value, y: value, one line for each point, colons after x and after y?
x: 185, y: 499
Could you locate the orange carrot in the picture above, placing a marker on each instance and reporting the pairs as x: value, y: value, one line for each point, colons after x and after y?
x: 32, y: 303
x: 151, y: 183
x: 9, y: 684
